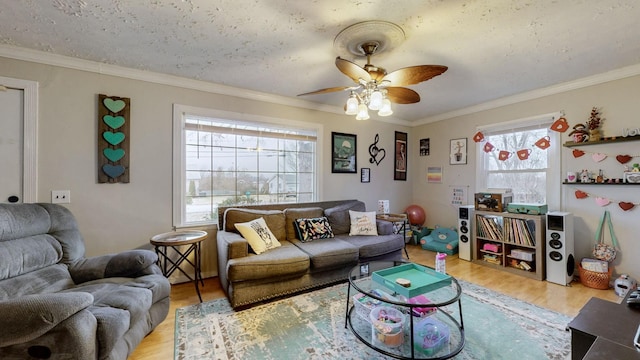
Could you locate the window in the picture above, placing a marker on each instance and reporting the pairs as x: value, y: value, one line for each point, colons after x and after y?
x: 534, y: 176
x: 226, y: 159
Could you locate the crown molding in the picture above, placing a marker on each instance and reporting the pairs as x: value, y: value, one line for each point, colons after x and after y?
x: 36, y: 56
x: 46, y: 58
x: 617, y: 74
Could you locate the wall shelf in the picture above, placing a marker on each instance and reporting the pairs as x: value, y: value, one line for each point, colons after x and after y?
x: 603, y: 141
x: 594, y: 183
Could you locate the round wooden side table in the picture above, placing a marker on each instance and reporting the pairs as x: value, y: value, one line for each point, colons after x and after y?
x: 174, y: 240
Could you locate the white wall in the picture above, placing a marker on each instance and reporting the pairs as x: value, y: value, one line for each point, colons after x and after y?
x: 115, y: 217
x: 618, y: 100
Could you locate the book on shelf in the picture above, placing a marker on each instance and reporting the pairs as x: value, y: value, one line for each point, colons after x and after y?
x: 518, y: 232
x: 489, y: 227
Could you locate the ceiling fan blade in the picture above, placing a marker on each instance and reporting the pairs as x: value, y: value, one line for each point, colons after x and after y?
x: 327, y: 90
x: 352, y: 70
x: 400, y: 95
x: 414, y: 74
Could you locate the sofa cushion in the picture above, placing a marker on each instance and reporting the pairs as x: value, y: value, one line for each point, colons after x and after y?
x: 47, y: 280
x: 273, y: 218
x: 363, y: 223
x: 329, y: 253
x: 310, y: 229
x: 133, y: 301
x: 339, y: 216
x: 22, y: 256
x: 282, y: 261
x: 372, y: 246
x: 292, y: 214
x: 258, y: 235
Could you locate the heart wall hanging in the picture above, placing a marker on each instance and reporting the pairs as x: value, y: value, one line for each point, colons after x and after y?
x: 113, y: 139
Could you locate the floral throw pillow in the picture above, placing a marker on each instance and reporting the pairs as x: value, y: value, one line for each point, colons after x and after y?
x: 313, y: 229
x: 258, y: 235
x: 363, y: 223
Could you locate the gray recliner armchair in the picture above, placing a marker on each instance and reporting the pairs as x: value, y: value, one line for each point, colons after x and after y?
x: 57, y: 304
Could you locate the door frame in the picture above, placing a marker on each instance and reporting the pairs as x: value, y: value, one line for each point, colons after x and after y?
x: 30, y: 140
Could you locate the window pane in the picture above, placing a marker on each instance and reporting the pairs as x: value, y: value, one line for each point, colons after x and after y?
x: 235, y: 163
x: 526, y: 167
x: 528, y: 187
x: 247, y: 160
x: 513, y: 142
x: 269, y: 160
x: 198, y: 157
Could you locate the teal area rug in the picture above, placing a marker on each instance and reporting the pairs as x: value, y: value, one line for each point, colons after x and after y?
x: 311, y: 326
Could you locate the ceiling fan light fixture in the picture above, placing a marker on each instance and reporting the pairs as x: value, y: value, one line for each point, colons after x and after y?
x: 385, y: 109
x: 352, y: 105
x: 375, y: 100
x: 363, y: 112
x: 374, y: 88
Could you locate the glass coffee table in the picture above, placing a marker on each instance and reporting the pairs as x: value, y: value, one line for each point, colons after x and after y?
x: 421, y: 320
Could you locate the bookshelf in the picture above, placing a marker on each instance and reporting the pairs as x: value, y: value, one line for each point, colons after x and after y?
x: 510, y: 242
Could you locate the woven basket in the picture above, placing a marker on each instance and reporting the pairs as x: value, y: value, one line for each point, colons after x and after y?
x: 593, y: 279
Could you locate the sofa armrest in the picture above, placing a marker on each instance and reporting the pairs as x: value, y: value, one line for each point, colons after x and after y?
x: 131, y: 264
x: 232, y: 245
x: 28, y: 317
x: 384, y: 227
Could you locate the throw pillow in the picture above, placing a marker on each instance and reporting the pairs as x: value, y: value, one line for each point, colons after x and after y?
x: 363, y: 223
x: 258, y: 235
x: 339, y: 216
x: 313, y: 229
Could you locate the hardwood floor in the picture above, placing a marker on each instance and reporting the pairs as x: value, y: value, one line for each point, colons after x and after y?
x: 564, y: 299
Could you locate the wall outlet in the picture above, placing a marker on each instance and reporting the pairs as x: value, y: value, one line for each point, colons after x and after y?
x: 61, y: 196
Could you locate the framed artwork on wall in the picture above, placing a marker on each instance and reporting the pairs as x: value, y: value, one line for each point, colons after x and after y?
x: 365, y: 175
x: 400, y: 147
x: 343, y: 153
x: 458, y: 152
x: 434, y: 174
x: 424, y: 147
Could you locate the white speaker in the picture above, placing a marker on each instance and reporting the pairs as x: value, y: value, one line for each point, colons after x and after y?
x: 560, y: 248
x: 465, y: 221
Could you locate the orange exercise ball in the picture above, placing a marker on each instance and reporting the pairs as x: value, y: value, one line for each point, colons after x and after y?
x: 416, y: 215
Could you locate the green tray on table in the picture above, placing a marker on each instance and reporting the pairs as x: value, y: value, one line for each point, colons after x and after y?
x: 423, y: 279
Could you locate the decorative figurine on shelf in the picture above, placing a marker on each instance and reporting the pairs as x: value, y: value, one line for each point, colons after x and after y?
x: 580, y: 133
x: 636, y: 168
x: 584, y: 176
x: 594, y: 124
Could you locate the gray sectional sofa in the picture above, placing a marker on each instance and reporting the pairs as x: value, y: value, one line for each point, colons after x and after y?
x: 55, y: 303
x: 295, y: 266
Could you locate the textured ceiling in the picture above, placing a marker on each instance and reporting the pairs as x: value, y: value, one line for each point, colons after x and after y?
x: 493, y: 48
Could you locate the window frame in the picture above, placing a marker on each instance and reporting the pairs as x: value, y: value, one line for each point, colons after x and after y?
x: 179, y: 153
x: 554, y: 161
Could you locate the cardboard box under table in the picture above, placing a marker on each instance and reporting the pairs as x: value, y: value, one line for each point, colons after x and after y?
x: 423, y: 279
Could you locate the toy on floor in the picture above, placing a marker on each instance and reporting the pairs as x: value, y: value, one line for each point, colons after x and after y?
x: 416, y: 215
x: 443, y: 240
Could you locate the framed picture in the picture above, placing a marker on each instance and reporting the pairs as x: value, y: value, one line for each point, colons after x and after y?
x: 343, y: 153
x: 365, y: 175
x: 424, y: 147
x: 434, y: 174
x: 458, y: 151
x: 400, y: 168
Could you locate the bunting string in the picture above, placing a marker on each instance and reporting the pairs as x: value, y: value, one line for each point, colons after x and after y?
x: 605, y: 201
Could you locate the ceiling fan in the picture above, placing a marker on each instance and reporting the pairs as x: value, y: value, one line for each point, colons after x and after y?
x: 375, y: 89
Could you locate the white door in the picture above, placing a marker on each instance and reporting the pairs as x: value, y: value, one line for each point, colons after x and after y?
x: 11, y: 145
x: 18, y: 140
